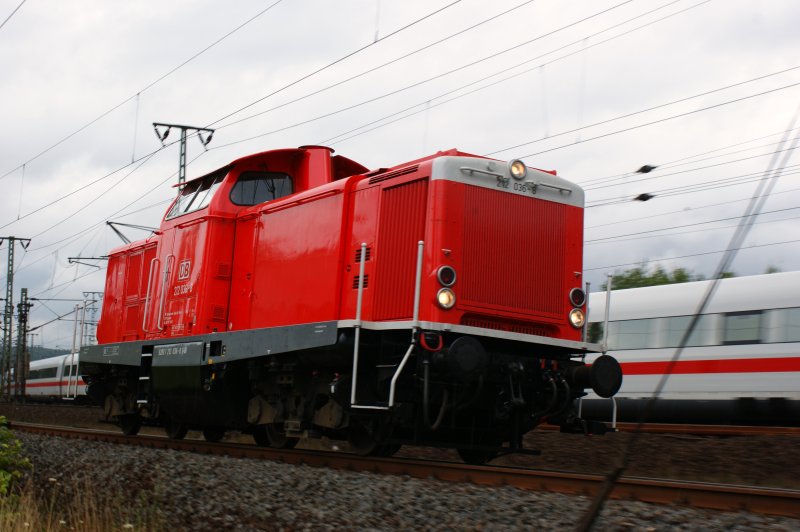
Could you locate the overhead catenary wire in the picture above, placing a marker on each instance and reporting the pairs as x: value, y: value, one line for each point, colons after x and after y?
x: 431, y: 45
x: 687, y: 188
x: 607, y: 267
x: 331, y: 64
x: 620, y: 238
x: 245, y: 107
x: 694, y: 208
x: 145, y: 88
x: 678, y: 172
x: 695, y: 224
x: 665, y: 119
x: 397, y: 31
x: 459, y: 69
x: 689, y: 159
x: 11, y: 14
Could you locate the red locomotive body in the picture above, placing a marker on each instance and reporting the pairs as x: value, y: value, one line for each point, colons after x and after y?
x: 294, y: 292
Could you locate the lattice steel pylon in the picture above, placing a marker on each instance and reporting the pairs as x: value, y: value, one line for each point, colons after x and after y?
x: 21, y: 362
x: 8, y: 316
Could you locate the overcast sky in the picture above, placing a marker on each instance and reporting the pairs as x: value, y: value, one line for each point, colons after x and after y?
x: 594, y: 89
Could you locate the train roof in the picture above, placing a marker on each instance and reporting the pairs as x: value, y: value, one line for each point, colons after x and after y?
x: 737, y: 294
x: 50, y: 361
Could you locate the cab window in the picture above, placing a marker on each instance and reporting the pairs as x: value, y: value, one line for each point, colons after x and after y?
x: 253, y: 188
x: 197, y: 194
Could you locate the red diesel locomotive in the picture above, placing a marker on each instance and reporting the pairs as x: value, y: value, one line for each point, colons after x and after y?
x: 294, y: 293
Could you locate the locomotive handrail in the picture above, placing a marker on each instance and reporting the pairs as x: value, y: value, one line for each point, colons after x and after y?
x: 358, y: 323
x: 159, y: 324
x: 608, y: 309
x: 153, y: 262
x: 74, y: 373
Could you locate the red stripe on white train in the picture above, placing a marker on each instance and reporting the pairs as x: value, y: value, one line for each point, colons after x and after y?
x: 735, y: 365
x: 30, y: 384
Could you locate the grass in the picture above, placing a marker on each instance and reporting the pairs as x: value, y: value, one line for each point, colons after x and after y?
x: 45, y: 508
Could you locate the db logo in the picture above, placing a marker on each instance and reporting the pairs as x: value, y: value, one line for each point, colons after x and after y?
x: 184, y: 269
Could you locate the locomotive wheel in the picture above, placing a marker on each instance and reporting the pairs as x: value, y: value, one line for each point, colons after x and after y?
x: 476, y: 456
x: 174, y: 430
x: 260, y: 436
x: 130, y: 424
x: 213, y: 434
x: 363, y: 442
x: 273, y: 435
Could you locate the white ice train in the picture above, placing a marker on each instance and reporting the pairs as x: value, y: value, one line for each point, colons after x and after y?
x: 741, y: 364
x: 55, y: 378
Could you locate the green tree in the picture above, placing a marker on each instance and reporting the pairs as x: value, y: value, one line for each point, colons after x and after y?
x: 642, y: 276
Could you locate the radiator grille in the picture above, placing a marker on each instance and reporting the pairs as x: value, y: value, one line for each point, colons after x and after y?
x: 391, y: 175
x: 486, y: 322
x: 402, y: 225
x: 513, y: 252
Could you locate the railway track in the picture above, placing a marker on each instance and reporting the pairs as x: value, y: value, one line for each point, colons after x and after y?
x: 702, y: 430
x: 647, y: 428
x: 782, y: 502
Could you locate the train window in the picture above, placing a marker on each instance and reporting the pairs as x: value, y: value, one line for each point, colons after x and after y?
x: 253, y: 188
x: 703, y: 333
x: 197, y: 194
x: 742, y: 328
x: 44, y: 373
x: 630, y: 334
x: 790, y: 326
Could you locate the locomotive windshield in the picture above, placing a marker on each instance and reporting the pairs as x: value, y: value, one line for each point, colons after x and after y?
x: 253, y: 188
x: 197, y: 194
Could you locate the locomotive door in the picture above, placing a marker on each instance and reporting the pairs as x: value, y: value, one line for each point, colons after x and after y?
x: 244, y: 254
x: 180, y: 260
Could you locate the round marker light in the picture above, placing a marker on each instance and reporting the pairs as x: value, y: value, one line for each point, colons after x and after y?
x: 577, y: 297
x: 446, y: 275
x: 518, y: 169
x: 446, y: 298
x: 576, y: 318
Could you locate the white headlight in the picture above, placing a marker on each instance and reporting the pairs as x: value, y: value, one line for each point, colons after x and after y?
x: 446, y: 298
x: 517, y: 169
x: 576, y: 318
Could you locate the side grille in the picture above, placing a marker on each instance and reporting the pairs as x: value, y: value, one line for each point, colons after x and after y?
x: 513, y: 252
x: 367, y: 255
x: 218, y: 313
x: 402, y: 225
x: 355, y: 281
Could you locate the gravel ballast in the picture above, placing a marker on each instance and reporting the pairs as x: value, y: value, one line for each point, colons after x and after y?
x: 190, y: 491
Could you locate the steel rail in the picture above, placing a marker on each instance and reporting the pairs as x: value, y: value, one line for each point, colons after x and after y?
x: 701, y: 430
x: 773, y: 501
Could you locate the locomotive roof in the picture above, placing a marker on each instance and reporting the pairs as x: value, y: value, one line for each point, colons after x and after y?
x: 753, y: 292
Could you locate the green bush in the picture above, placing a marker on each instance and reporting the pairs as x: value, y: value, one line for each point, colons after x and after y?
x: 12, y: 463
